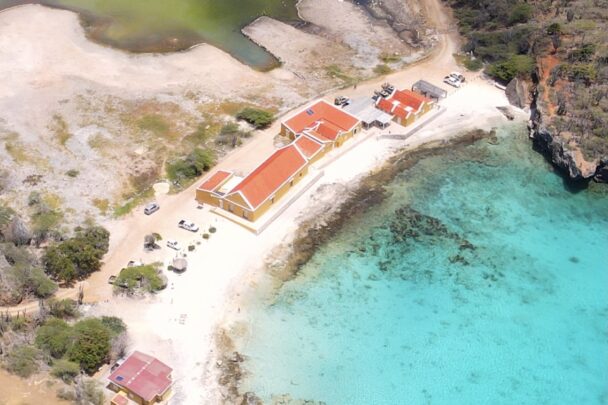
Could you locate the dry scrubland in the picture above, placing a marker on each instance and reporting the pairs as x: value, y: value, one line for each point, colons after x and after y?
x: 91, y: 128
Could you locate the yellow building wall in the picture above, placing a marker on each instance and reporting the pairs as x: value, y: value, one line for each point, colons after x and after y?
x: 206, y: 197
x: 262, y: 209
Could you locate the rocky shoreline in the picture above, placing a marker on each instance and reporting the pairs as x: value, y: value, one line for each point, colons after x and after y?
x: 314, y: 232
x: 567, y: 158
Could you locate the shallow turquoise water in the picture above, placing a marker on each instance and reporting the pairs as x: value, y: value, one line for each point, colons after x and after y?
x: 480, y: 281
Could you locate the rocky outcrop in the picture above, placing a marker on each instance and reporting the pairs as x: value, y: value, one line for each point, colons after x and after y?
x: 518, y: 93
x: 564, y: 155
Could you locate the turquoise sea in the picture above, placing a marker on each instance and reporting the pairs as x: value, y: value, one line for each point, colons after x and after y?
x: 481, y: 280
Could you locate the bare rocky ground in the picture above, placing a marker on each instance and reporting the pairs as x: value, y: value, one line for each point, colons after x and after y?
x: 90, y: 127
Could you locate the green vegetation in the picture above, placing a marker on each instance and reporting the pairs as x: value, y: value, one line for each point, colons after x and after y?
x: 190, y: 167
x: 382, y: 69
x: 24, y: 274
x: 147, y: 278
x: 87, y: 344
x: 65, y: 370
x: 335, y: 72
x: 560, y: 45
x: 66, y: 308
x: 257, y: 117
x: 22, y: 361
x: 72, y: 173
x: 60, y: 129
x: 390, y: 58
x: 514, y: 66
x: 77, y: 257
x: 155, y: 124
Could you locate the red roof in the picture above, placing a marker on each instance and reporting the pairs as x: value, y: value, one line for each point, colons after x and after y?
x: 143, y: 375
x: 267, y: 178
x: 385, y: 105
x: 410, y: 99
x: 215, y: 180
x: 402, y: 111
x: 308, y: 146
x: 321, y: 111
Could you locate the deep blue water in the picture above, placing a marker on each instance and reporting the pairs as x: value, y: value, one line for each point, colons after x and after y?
x: 481, y: 280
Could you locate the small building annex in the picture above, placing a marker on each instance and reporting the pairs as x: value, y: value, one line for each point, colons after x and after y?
x: 324, y: 122
x: 142, y: 379
x: 405, y: 106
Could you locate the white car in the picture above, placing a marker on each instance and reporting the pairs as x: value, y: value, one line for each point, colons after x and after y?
x: 188, y: 225
x: 458, y: 76
x: 173, y: 244
x: 151, y: 208
x: 451, y: 81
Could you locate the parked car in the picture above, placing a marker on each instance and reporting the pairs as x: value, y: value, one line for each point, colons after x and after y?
x: 173, y: 244
x: 111, y: 279
x: 388, y: 87
x: 342, y: 101
x: 133, y: 263
x: 458, y: 76
x: 188, y: 225
x: 451, y: 81
x: 151, y: 208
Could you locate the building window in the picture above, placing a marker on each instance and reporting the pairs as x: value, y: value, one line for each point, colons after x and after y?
x: 245, y: 214
x: 230, y: 208
x: 291, y: 183
x: 272, y: 200
x: 301, y: 174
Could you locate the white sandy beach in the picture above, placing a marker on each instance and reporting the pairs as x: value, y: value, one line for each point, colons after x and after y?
x: 178, y: 324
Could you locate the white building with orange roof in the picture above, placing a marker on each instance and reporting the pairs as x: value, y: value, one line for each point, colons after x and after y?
x: 405, y: 106
x: 324, y: 121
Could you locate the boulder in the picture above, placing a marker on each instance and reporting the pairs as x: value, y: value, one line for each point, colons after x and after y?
x: 518, y: 93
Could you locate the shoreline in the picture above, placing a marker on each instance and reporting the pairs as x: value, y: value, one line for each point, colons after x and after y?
x: 226, y: 367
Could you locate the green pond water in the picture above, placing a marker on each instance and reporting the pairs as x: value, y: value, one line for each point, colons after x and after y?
x: 161, y: 25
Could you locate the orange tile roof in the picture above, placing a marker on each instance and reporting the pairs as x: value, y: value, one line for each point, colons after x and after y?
x: 410, y: 98
x: 402, y: 111
x: 321, y: 111
x: 214, y: 181
x: 316, y: 136
x: 385, y: 105
x: 267, y: 178
x: 308, y: 146
x: 329, y: 130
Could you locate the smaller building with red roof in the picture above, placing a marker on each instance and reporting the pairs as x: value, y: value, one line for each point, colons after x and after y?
x: 405, y: 106
x: 328, y: 121
x: 141, y: 378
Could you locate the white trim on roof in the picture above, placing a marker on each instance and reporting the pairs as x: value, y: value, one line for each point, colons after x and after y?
x: 278, y: 187
x: 311, y: 104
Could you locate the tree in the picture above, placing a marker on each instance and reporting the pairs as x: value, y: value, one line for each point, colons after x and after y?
x: 255, y: 116
x: 514, y: 66
x: 78, y: 256
x: 55, y: 337
x: 91, y: 346
x: 18, y: 232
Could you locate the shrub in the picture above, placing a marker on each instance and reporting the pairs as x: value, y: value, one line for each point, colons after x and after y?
x: 382, y: 69
x: 72, y: 173
x: 192, y: 166
x: 91, y: 345
x: 66, y: 308
x: 472, y: 64
x: 65, y: 370
x: 77, y: 257
x: 55, y: 337
x: 19, y: 323
x: 520, y: 13
x: 514, y: 66
x: 206, y: 236
x: 114, y: 325
x: 40, y: 284
x: 22, y: 361
x: 212, y: 229
x: 257, y: 117
x: 146, y: 277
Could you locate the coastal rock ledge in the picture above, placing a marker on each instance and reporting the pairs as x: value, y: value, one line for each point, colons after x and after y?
x: 568, y: 160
